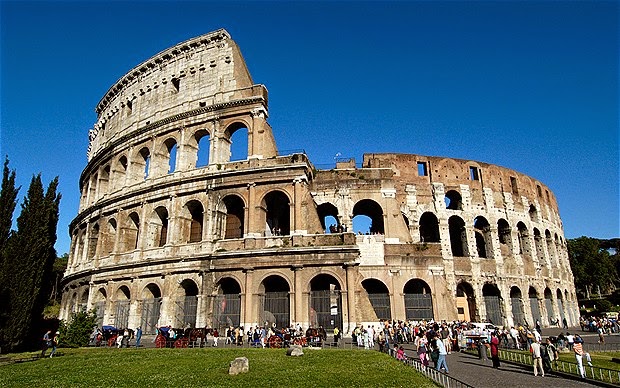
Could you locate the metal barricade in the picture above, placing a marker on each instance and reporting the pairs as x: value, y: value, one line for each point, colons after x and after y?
x: 592, y: 372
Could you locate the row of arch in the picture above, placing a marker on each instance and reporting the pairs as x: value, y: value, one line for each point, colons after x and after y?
x: 325, y: 303
x: 126, y: 231
x: 429, y: 232
x: 167, y: 155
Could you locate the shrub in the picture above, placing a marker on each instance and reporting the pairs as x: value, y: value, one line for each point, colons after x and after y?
x: 77, y: 332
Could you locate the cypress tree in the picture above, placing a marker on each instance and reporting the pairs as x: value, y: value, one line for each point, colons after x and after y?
x: 29, y: 261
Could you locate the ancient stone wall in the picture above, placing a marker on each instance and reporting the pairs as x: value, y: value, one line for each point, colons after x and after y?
x: 173, y: 229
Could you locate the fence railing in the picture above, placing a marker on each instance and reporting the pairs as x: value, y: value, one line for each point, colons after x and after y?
x: 440, y: 378
x: 591, y: 372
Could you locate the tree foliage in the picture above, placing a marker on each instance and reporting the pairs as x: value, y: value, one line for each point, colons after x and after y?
x: 77, y: 331
x: 28, y: 257
x: 594, y: 268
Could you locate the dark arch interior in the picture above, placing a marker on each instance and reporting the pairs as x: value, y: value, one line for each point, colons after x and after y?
x: 278, y: 213
x: 275, y: 283
x: 228, y: 286
x: 429, y: 228
x: 532, y: 293
x: 374, y: 286
x: 371, y: 209
x: 325, y: 210
x: 154, y: 290
x: 453, y: 200
x: 324, y: 282
x: 515, y: 292
x: 417, y: 286
x: 235, y: 216
x: 190, y: 288
x: 490, y: 290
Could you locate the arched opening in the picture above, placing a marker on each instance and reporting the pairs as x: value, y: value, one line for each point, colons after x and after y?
x: 372, y: 210
x: 203, y: 145
x: 120, y: 172
x: 277, y: 214
x: 492, y: 302
x: 516, y: 301
x: 551, y: 248
x: 107, y: 246
x: 379, y: 297
x: 187, y: 306
x: 328, y: 215
x: 237, y: 134
x: 466, y: 302
x: 104, y: 181
x: 534, y: 304
x: 559, y: 298
x: 158, y: 227
x: 453, y: 200
x: 533, y: 213
x: 227, y: 304
x: 131, y: 232
x: 458, y: 237
x: 195, y: 214
x: 429, y: 228
x: 171, y: 150
x: 151, y: 306
x: 123, y: 299
x: 92, y: 241
x: 482, y: 230
x: 84, y: 301
x: 99, y: 301
x: 505, y: 239
x: 549, y: 306
x: 235, y: 211
x: 275, y: 302
x: 540, y: 253
x: 143, y: 162
x: 92, y: 189
x: 418, y: 300
x: 325, y: 302
x: 524, y: 241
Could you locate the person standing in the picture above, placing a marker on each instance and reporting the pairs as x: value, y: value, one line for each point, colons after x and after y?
x: 495, y: 350
x: 138, y: 336
x: 55, y: 342
x: 537, y: 358
x: 47, y: 342
x: 578, y: 350
x: 441, y: 361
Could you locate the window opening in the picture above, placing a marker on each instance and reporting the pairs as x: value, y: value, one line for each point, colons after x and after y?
x: 422, y: 169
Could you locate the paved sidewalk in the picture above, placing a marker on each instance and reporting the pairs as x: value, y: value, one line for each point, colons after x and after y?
x: 469, y: 369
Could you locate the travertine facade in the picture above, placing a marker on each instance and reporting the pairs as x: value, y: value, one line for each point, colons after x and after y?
x: 174, y: 229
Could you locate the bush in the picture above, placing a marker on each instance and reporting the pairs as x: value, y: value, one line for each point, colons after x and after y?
x: 77, y: 332
x: 603, y: 305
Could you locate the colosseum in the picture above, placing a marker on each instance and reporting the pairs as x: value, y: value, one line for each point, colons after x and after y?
x: 175, y: 229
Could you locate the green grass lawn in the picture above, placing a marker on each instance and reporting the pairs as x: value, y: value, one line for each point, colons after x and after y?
x: 150, y: 368
x: 599, y: 359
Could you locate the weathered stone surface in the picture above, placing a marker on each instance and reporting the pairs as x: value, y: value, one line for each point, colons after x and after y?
x: 239, y: 365
x: 295, y: 350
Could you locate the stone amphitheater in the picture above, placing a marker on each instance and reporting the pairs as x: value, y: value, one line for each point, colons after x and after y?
x: 175, y: 229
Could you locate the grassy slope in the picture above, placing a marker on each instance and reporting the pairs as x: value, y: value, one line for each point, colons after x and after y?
x: 209, y: 368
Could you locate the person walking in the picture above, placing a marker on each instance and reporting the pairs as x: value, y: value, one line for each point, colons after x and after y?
x: 537, y: 358
x: 55, y: 342
x: 138, y: 336
x: 495, y: 350
x: 441, y: 361
x: 578, y: 350
x: 47, y: 342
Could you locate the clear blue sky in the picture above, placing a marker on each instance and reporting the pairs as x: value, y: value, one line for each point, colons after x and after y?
x: 531, y: 86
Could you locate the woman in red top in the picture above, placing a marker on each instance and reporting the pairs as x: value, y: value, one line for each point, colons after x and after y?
x: 495, y: 350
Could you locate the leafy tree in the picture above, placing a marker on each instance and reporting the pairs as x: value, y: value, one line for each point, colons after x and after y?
x: 592, y: 266
x: 29, y: 257
x: 77, y: 332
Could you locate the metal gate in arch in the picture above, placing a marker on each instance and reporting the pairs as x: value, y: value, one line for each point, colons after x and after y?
x: 226, y: 311
x: 418, y: 306
x: 275, y: 307
x: 150, y: 315
x: 494, y: 310
x: 517, y: 311
x: 381, y: 304
x: 122, y: 314
x: 326, y: 309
